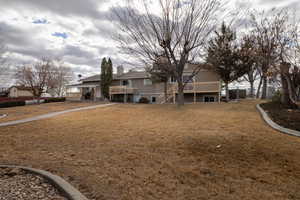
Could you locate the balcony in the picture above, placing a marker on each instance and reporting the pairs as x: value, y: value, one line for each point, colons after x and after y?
x: 121, y: 90
x: 199, y: 87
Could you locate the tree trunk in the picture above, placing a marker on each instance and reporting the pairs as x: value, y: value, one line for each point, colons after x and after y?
x: 180, y: 100
x: 166, y: 91
x: 227, y: 92
x: 285, y: 99
x: 264, y: 89
x: 291, y: 91
x: 259, y: 87
x: 252, y: 89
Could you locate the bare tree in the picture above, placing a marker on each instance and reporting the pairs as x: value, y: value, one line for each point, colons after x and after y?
x: 178, y: 29
x: 4, y: 67
x: 266, y: 33
x: 247, y: 57
x: 60, y: 76
x: 37, y: 76
x: 289, y: 66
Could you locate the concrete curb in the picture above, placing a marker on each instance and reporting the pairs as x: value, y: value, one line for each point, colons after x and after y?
x: 64, y: 187
x: 54, y: 114
x: 275, y: 126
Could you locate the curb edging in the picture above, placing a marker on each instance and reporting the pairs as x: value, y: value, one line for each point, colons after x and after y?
x: 274, y: 125
x: 63, y: 186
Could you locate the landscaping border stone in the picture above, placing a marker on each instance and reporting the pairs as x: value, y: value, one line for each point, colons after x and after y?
x: 63, y: 186
x: 274, y: 125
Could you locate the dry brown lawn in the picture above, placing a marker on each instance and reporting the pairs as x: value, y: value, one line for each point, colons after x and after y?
x: 21, y: 112
x: 137, y: 152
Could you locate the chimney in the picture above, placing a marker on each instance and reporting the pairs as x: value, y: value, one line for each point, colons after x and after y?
x: 120, y: 70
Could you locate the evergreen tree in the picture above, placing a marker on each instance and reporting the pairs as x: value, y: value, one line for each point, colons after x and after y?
x: 223, y: 56
x: 106, y: 77
x: 109, y: 74
x: 103, y: 77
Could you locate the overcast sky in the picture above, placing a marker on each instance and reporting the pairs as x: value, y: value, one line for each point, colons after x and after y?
x: 76, y: 30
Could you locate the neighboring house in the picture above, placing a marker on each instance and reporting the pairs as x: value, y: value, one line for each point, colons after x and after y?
x: 20, y: 91
x: 133, y: 85
x: 4, y: 92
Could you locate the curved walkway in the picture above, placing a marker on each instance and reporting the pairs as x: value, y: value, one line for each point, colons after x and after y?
x: 49, y: 115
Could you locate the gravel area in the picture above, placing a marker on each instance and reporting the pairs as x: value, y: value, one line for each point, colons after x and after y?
x: 16, y: 184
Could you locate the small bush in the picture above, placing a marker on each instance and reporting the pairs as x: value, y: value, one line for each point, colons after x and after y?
x: 277, y: 97
x: 52, y: 100
x: 144, y: 100
x: 12, y: 104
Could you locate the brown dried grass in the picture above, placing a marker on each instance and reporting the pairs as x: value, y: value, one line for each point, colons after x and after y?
x: 21, y: 112
x: 203, y: 151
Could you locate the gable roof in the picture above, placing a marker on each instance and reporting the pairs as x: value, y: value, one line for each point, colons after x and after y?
x: 22, y: 88
x: 91, y: 78
x: 133, y: 75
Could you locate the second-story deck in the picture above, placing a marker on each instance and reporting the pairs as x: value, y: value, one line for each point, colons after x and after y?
x: 199, y: 87
x: 122, y: 90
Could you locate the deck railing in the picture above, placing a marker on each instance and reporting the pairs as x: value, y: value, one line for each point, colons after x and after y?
x: 198, y: 87
x: 121, y: 90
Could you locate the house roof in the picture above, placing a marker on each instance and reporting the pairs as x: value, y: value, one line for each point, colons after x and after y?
x: 91, y: 78
x: 132, y: 75
x: 22, y: 87
x: 125, y: 76
x: 143, y: 74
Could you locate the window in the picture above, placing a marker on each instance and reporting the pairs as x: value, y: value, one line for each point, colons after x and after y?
x: 187, y: 79
x: 209, y: 99
x: 147, y: 82
x: 153, y: 99
x: 125, y: 82
x: 172, y: 79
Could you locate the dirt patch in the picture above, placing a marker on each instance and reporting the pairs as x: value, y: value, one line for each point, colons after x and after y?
x: 19, y: 184
x: 148, y: 152
x: 285, y: 117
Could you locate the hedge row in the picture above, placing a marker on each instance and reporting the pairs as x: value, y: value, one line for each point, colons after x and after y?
x: 52, y: 100
x: 23, y: 103
x: 12, y: 104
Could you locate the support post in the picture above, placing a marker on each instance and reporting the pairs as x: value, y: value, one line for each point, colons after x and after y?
x: 195, y: 94
x: 220, y: 91
x: 174, y: 97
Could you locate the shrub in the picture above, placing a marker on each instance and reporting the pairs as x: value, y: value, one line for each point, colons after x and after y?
x: 12, y: 104
x: 277, y: 97
x: 52, y: 100
x: 144, y: 100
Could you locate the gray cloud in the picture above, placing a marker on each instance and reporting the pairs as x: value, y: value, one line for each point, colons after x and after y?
x: 89, y: 28
x: 86, y: 8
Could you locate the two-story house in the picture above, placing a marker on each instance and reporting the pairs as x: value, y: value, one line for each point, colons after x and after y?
x: 133, y: 85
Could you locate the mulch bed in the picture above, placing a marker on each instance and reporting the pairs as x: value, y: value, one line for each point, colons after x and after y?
x: 18, y: 184
x: 283, y: 116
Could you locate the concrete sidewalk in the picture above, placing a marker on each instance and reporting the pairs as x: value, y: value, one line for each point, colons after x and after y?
x: 49, y: 115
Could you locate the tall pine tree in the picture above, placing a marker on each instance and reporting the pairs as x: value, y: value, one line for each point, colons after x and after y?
x: 106, y: 77
x: 223, y: 56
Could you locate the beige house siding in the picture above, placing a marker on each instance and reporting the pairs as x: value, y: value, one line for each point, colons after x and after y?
x: 15, y: 93
x: 206, y: 76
